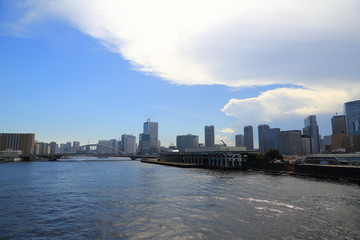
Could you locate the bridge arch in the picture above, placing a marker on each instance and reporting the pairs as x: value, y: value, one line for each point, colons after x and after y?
x: 95, y: 145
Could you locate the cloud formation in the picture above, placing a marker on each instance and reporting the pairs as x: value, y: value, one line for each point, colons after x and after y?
x: 311, y: 44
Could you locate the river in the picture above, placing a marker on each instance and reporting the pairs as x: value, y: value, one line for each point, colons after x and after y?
x: 134, y: 200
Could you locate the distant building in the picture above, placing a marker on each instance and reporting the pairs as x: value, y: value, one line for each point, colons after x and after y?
x: 113, y: 145
x: 187, y: 141
x: 239, y: 140
x: 128, y: 144
x: 338, y: 124
x: 152, y: 128
x: 290, y: 142
x: 327, y: 144
x: 340, y: 140
x: 263, y: 137
x: 103, y: 148
x: 248, y: 137
x: 209, y: 136
x: 144, y: 143
x: 42, y: 148
x: 17, y: 141
x: 352, y: 112
x: 311, y: 128
x: 273, y: 138
x: 54, y: 148
x: 305, y: 144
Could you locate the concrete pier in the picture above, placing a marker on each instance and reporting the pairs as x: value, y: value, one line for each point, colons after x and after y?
x: 222, y: 159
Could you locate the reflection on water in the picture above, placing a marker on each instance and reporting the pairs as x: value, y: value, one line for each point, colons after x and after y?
x: 132, y: 200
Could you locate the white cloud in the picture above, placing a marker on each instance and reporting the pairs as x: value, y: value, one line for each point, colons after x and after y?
x: 227, y: 130
x: 288, y: 106
x: 312, y: 44
x: 229, y: 42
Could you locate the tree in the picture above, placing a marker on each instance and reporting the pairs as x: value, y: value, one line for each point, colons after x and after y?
x: 272, y: 155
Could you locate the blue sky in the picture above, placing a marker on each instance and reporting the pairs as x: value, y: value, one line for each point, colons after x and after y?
x: 91, y: 70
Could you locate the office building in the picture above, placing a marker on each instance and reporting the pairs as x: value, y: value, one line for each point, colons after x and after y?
x: 54, y: 148
x: 248, y: 137
x: 152, y: 129
x: 263, y: 137
x: 17, y: 141
x: 305, y: 145
x: 128, y: 143
x: 239, y: 140
x: 42, y: 148
x: 273, y: 138
x: 187, y: 141
x: 209, y: 136
x: 290, y: 142
x: 352, y: 112
x: 144, y: 143
x: 340, y: 140
x: 338, y: 124
x: 311, y: 128
x: 103, y: 147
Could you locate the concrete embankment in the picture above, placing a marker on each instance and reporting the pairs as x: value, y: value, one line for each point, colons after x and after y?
x: 173, y: 164
x: 351, y: 173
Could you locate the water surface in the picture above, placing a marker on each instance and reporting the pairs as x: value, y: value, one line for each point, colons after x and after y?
x: 133, y: 200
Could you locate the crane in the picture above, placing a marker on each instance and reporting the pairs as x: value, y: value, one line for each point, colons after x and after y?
x: 224, y: 143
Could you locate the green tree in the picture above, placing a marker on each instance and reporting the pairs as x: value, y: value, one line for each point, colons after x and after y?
x: 272, y: 155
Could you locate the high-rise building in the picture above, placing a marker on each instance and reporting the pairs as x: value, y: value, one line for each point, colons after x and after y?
x: 338, y: 124
x: 54, y: 148
x: 17, y: 141
x: 144, y: 143
x: 352, y: 112
x: 209, y: 136
x: 187, y: 141
x: 273, y: 138
x: 152, y: 128
x: 311, y: 128
x: 263, y: 137
x: 290, y: 142
x: 103, y: 148
x: 239, y: 140
x: 305, y: 145
x: 128, y: 144
x: 340, y: 140
x: 248, y: 137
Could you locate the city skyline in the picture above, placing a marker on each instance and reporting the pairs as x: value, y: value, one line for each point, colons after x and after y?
x: 103, y: 74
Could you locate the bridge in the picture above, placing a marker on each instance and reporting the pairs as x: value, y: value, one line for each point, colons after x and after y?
x: 93, y: 150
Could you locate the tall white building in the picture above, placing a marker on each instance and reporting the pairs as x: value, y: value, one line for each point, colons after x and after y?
x: 128, y: 144
x: 152, y: 129
x: 312, y: 129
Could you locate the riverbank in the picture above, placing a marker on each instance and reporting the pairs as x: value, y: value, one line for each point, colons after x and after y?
x: 173, y: 164
x: 334, y: 172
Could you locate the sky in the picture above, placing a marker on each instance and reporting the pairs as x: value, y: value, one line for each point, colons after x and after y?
x: 90, y: 70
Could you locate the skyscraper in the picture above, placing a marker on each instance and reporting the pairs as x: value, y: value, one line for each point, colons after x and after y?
x: 248, y: 138
x: 144, y: 143
x: 128, y: 143
x: 312, y: 129
x: 338, y: 124
x: 151, y: 128
x: 340, y: 140
x: 209, y: 136
x: 263, y: 137
x: 187, y: 141
x: 290, y: 142
x: 273, y: 138
x: 239, y: 140
x: 352, y: 112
